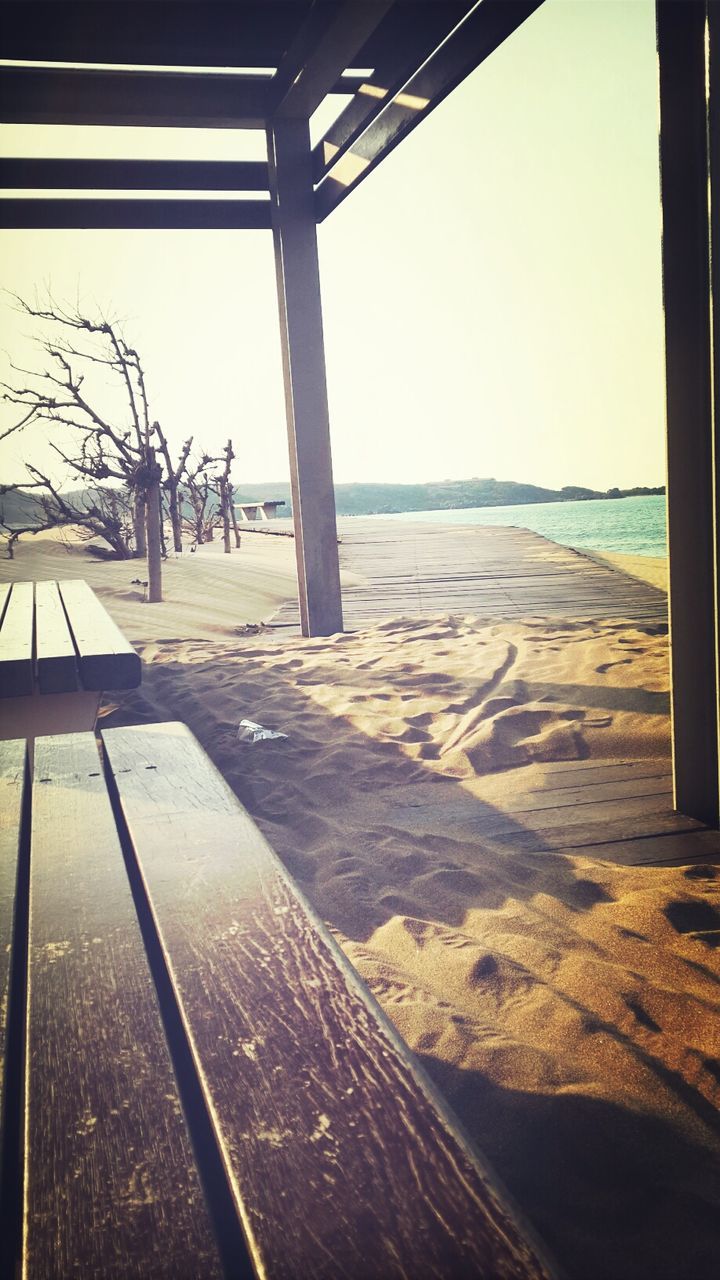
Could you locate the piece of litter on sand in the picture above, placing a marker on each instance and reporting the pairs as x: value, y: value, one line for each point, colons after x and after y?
x: 249, y: 731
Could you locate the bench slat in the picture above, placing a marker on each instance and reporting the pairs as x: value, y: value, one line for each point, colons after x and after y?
x: 106, y: 659
x: 342, y: 1160
x: 4, y: 593
x: 12, y: 779
x: 54, y: 649
x: 16, y: 643
x: 111, y: 1184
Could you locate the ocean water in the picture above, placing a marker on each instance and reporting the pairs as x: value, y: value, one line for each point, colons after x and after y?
x: 633, y: 526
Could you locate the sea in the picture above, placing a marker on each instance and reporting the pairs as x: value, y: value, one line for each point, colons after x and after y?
x: 632, y: 526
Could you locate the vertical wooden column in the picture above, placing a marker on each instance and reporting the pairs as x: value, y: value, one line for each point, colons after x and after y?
x: 691, y: 483
x: 298, y: 282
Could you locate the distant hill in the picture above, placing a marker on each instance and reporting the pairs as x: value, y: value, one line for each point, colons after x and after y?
x: 386, y: 499
x: 18, y: 508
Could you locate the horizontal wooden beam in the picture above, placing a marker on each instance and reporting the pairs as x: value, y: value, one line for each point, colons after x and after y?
x: 486, y: 26
x: 31, y: 95
x: 134, y: 214
x: 326, y: 44
x: 137, y: 33
x: 411, y: 33
x: 134, y: 175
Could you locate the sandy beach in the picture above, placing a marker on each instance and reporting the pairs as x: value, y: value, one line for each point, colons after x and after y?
x: 567, y: 1004
x: 652, y: 569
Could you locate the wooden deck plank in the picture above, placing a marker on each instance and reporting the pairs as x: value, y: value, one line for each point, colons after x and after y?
x: 55, y: 655
x: 591, y: 793
x: 106, y: 659
x: 12, y: 779
x: 16, y: 643
x: 111, y: 1185
x: 342, y: 1158
x: 576, y: 773
x: 451, y: 813
x: 414, y: 569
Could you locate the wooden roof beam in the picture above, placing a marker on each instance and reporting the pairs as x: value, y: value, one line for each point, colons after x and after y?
x: 206, y: 33
x: 134, y: 175
x: 410, y: 34
x: 32, y: 95
x: 486, y: 26
x: 324, y: 47
x: 135, y: 214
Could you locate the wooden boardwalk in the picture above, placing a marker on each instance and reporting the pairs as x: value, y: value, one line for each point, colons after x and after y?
x: 411, y: 569
x: 615, y: 810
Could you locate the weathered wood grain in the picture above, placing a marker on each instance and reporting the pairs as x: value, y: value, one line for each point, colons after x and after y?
x: 111, y: 1186
x: 106, y: 659
x: 342, y: 1159
x: 12, y: 777
x: 55, y: 656
x: 16, y: 642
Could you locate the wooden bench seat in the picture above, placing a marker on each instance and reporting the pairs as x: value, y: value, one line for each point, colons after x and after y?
x: 59, y: 649
x: 210, y: 1088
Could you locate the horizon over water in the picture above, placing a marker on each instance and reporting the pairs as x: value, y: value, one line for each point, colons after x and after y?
x: 630, y: 526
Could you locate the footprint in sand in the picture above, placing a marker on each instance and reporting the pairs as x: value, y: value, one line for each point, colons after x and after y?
x: 698, y: 920
x: 641, y: 1016
x: 586, y: 894
x: 712, y: 1066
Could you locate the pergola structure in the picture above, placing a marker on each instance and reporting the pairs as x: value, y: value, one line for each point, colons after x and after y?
x: 268, y: 66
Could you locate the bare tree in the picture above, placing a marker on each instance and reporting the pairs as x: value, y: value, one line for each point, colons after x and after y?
x: 94, y: 445
x: 172, y: 482
x: 100, y: 511
x: 199, y: 493
x: 223, y: 489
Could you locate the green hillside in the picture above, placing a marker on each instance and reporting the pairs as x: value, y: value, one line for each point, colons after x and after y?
x: 385, y: 499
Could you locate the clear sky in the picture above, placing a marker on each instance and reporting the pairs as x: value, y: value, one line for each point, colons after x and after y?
x: 492, y: 293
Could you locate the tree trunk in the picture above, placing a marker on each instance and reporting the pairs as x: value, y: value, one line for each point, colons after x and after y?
x: 154, y: 544
x: 233, y: 517
x: 225, y: 513
x: 175, y: 517
x: 139, y: 519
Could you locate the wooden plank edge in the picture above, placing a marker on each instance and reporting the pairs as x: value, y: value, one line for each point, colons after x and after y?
x: 215, y: 1175
x: 13, y: 755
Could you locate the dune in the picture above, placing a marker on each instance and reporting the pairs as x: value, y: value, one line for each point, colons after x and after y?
x: 567, y: 1003
x: 207, y: 594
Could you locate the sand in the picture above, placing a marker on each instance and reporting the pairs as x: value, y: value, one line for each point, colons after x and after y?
x: 567, y: 1005
x: 652, y: 569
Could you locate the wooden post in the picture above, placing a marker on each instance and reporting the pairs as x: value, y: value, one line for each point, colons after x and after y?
x: 692, y: 498
x: 154, y: 560
x: 298, y: 283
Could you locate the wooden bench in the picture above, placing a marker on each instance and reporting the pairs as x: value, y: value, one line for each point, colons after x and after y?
x: 265, y: 509
x: 59, y: 649
x: 208, y: 1088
